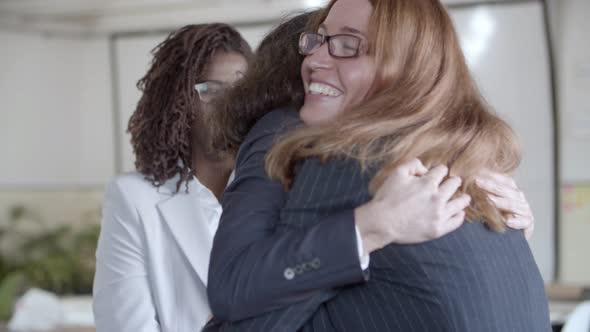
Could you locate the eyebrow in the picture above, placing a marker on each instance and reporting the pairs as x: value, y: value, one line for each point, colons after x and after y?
x: 352, y: 30
x: 345, y: 29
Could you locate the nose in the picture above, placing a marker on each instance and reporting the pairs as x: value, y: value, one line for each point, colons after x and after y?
x: 321, y: 58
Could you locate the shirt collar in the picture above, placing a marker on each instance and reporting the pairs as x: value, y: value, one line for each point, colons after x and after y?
x: 202, y: 196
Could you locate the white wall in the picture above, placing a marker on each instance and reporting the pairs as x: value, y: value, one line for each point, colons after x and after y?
x: 56, y: 126
x: 574, y: 90
x: 574, y: 64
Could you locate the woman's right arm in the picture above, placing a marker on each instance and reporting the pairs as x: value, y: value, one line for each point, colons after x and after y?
x: 256, y: 267
x: 122, y: 295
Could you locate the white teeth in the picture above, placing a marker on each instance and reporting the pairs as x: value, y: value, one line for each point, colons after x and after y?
x: 323, y: 89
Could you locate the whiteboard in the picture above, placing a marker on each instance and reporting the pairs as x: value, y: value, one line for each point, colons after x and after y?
x: 574, y: 57
x: 507, y: 50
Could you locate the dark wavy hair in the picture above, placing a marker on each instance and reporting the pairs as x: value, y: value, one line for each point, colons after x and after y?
x: 162, y: 123
x: 273, y: 80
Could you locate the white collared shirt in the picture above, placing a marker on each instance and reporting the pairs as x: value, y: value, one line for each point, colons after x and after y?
x: 209, y: 205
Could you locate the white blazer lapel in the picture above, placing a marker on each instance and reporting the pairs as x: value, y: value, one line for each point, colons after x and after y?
x: 184, y: 217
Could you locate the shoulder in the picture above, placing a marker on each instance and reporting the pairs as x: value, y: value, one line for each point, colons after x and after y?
x: 131, y: 183
x: 131, y: 189
x: 276, y: 121
x: 262, y: 135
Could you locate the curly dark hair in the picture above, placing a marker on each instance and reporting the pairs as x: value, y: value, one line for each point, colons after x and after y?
x: 162, y: 123
x: 273, y: 80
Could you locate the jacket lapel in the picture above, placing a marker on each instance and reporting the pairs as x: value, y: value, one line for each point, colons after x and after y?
x: 189, y: 227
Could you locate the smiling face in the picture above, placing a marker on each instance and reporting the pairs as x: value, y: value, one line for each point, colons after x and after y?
x: 333, y: 85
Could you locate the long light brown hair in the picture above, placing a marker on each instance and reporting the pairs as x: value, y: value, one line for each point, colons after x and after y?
x: 423, y: 104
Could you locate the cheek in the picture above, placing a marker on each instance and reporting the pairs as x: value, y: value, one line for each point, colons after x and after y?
x: 359, y: 81
x: 305, y: 71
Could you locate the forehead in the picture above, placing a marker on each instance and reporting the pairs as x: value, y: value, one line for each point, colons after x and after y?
x: 349, y: 15
x: 226, y: 67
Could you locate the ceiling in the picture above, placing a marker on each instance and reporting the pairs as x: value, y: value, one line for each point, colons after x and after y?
x: 108, y: 16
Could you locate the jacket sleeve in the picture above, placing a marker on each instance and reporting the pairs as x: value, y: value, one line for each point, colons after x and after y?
x: 122, y: 300
x: 257, y: 266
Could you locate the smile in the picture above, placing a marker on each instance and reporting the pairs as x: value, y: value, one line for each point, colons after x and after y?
x: 323, y: 89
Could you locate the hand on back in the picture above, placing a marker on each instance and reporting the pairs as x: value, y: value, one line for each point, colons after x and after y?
x: 413, y: 205
x: 509, y: 198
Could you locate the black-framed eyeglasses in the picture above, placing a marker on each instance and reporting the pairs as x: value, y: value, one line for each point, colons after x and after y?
x: 339, y: 46
x: 209, y: 90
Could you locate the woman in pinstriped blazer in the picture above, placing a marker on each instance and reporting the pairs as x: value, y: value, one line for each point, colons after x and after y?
x: 282, y: 275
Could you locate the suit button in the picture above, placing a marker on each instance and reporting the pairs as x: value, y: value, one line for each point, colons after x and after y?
x: 289, y: 273
x: 306, y: 267
x: 316, y: 263
x: 299, y: 269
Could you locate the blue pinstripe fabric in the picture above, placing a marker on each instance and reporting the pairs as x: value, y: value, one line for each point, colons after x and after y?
x: 470, y: 280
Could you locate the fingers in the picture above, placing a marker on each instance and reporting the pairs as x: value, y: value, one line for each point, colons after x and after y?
x: 512, y: 206
x: 500, y: 185
x: 410, y: 169
x: 457, y: 205
x: 413, y: 167
x: 437, y: 174
x: 519, y: 222
x: 449, y: 187
x: 499, y: 189
x: 505, y: 195
x: 523, y: 223
x: 499, y: 178
x: 452, y: 224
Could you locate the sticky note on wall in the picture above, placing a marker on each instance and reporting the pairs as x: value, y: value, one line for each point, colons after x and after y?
x: 575, y: 199
x: 574, y: 230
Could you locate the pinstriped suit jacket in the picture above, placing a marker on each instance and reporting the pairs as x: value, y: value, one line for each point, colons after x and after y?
x: 470, y: 280
x: 266, y: 275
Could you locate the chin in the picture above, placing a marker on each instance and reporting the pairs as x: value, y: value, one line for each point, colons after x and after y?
x: 314, y: 116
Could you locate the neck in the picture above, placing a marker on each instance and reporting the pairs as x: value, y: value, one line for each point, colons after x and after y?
x: 213, y: 174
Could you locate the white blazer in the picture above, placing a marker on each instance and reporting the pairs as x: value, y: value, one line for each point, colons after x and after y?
x: 153, y: 256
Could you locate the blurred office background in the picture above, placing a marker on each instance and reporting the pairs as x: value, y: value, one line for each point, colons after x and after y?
x: 68, y: 70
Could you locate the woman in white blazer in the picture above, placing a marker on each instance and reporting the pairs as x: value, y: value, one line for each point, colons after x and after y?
x: 158, y: 223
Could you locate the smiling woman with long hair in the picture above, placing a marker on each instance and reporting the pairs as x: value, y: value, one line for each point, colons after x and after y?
x: 422, y: 103
x: 388, y: 101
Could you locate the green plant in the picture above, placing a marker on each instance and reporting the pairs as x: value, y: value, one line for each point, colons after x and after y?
x: 59, y: 260
x: 12, y: 285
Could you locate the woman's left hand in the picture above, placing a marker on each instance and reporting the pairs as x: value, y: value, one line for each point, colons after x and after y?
x: 507, y: 196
